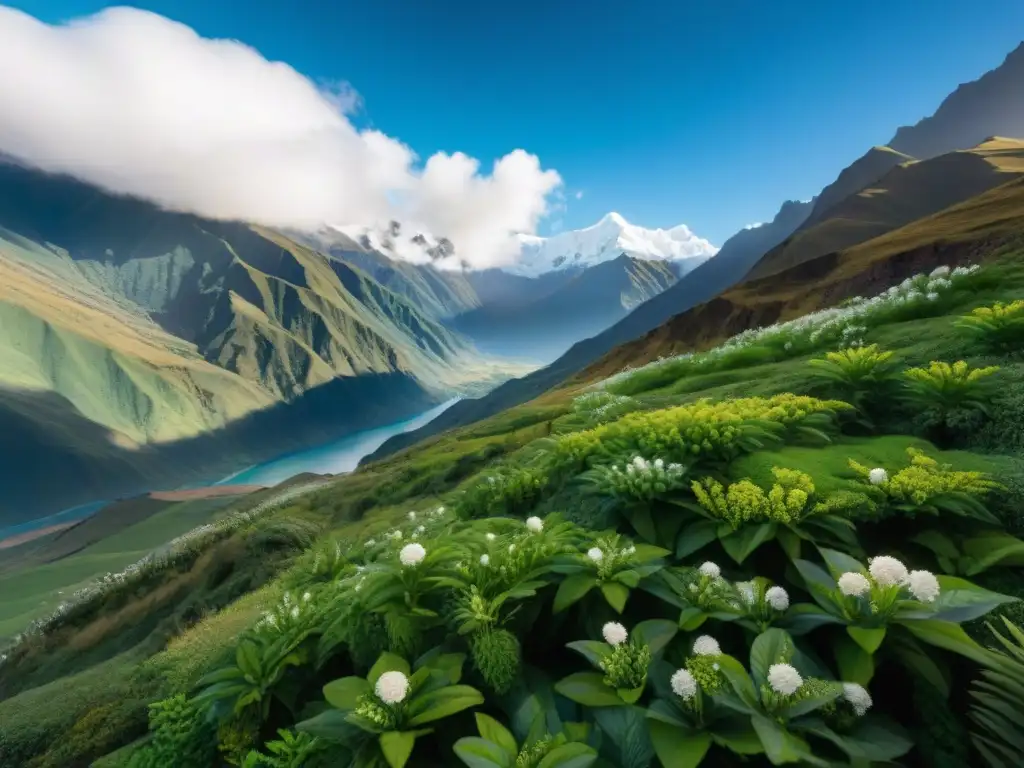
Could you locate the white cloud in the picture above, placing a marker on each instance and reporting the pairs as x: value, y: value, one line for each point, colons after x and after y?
x: 755, y: 225
x: 579, y: 195
x: 139, y: 104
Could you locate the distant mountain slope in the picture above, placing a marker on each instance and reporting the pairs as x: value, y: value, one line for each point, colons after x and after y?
x: 737, y: 255
x: 992, y: 105
x: 966, y: 232
x: 910, y: 191
x: 129, y: 332
x: 864, y: 171
x: 606, y: 240
x: 584, y: 306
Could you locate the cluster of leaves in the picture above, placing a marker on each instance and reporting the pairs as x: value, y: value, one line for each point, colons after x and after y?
x: 434, y: 622
x: 999, y: 328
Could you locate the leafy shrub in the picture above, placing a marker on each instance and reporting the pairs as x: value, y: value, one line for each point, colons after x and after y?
x: 927, y: 487
x: 180, y: 736
x: 998, y: 328
x: 950, y: 398
x: 858, y: 375
x: 998, y: 702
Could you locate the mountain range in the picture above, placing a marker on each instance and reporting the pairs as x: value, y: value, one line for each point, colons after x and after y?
x: 143, y: 347
x: 944, y: 160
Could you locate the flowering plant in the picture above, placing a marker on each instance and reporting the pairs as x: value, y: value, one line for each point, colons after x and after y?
x: 612, y: 565
x: 393, y: 703
x: 496, y: 747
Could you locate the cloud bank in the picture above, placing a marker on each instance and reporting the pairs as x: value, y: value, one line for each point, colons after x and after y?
x: 138, y: 104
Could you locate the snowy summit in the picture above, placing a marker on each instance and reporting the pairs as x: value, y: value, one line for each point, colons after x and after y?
x: 610, y: 238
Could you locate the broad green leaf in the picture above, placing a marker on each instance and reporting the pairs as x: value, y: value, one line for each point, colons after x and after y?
x: 345, y: 692
x: 388, y: 662
x: 868, y: 638
x: 629, y: 578
x: 773, y: 646
x: 641, y: 520
x: 630, y: 695
x: 397, y: 747
x: 993, y: 548
x: 592, y: 650
x: 960, y: 600
x: 668, y: 713
x: 916, y: 659
x: 331, y: 725
x: 655, y: 633
x: 588, y: 688
x: 442, y: 703
x: 819, y: 583
x: 870, y: 739
x: 855, y: 664
x: 790, y: 543
x: 615, y: 594
x: 647, y: 552
x: 938, y: 543
x: 696, y: 536
x: 804, y: 617
x: 691, y: 617
x: 779, y: 744
x: 678, y: 747
x: 481, y: 753
x: 571, y: 755
x: 497, y: 733
x: 739, y: 680
x: 738, y: 736
x: 573, y: 589
x: 951, y: 637
x: 840, y: 563
x: 746, y: 539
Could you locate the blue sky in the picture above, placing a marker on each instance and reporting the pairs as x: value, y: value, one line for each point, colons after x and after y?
x: 704, y: 113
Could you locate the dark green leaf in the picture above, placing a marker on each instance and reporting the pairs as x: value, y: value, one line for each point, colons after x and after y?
x: 677, y: 747
x: 345, y: 692
x: 868, y: 638
x: 773, y: 646
x: 655, y: 633
x: 397, y: 747
x: 855, y: 664
x: 442, y: 703
x: 388, y: 662
x: 592, y: 650
x: 588, y: 688
x: 572, y: 590
x: 497, y: 733
x: 480, y: 753
x: 571, y: 755
x: 615, y: 594
x: 696, y: 536
x: 746, y: 539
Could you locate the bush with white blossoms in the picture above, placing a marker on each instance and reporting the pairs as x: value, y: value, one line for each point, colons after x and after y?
x: 843, y: 325
x: 639, y: 479
x: 888, y: 582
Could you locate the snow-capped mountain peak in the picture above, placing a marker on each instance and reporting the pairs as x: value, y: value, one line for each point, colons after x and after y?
x: 606, y: 240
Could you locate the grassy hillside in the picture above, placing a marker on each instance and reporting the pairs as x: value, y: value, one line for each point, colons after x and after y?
x: 553, y: 459
x: 911, y: 190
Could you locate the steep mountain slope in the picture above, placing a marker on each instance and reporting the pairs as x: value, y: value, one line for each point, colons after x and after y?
x: 910, y: 191
x: 129, y: 331
x: 993, y: 105
x: 866, y: 170
x: 585, y: 305
x: 967, y: 232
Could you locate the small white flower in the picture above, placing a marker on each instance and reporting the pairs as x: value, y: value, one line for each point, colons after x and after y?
x: 412, y: 515
x: 683, y: 684
x: 777, y: 598
x: 711, y: 569
x: 535, y: 524
x: 923, y: 586
x: 511, y: 547
x: 439, y: 511
x: 853, y: 584
x: 932, y: 296
x: 420, y: 528
x: 887, y: 571
x: 490, y: 536
x: 659, y: 464
x: 784, y: 679
x: 295, y: 612
x: 706, y: 645
x: 614, y: 633
x: 485, y: 559
x: 397, y: 535
x: 306, y: 597
x: 858, y: 697
x: 392, y: 687
x: 371, y: 542
x: 877, y: 476
x: 412, y: 554
x: 595, y: 554
x: 940, y: 271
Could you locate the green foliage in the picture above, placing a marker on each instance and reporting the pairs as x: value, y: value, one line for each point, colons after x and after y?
x: 496, y: 747
x: 859, y: 375
x: 999, y: 327
x: 180, y: 735
x: 292, y: 750
x: 998, y: 702
x: 497, y: 656
x: 928, y: 487
x: 950, y: 397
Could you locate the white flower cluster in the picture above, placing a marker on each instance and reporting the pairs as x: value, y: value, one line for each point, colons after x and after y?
x: 706, y: 645
x: 412, y: 554
x: 784, y: 679
x: 285, y: 614
x: 886, y: 571
x: 858, y: 698
x: 644, y: 479
x: 877, y: 476
x: 614, y: 633
x: 683, y: 684
x: 600, y: 404
x: 835, y: 323
x: 392, y: 687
